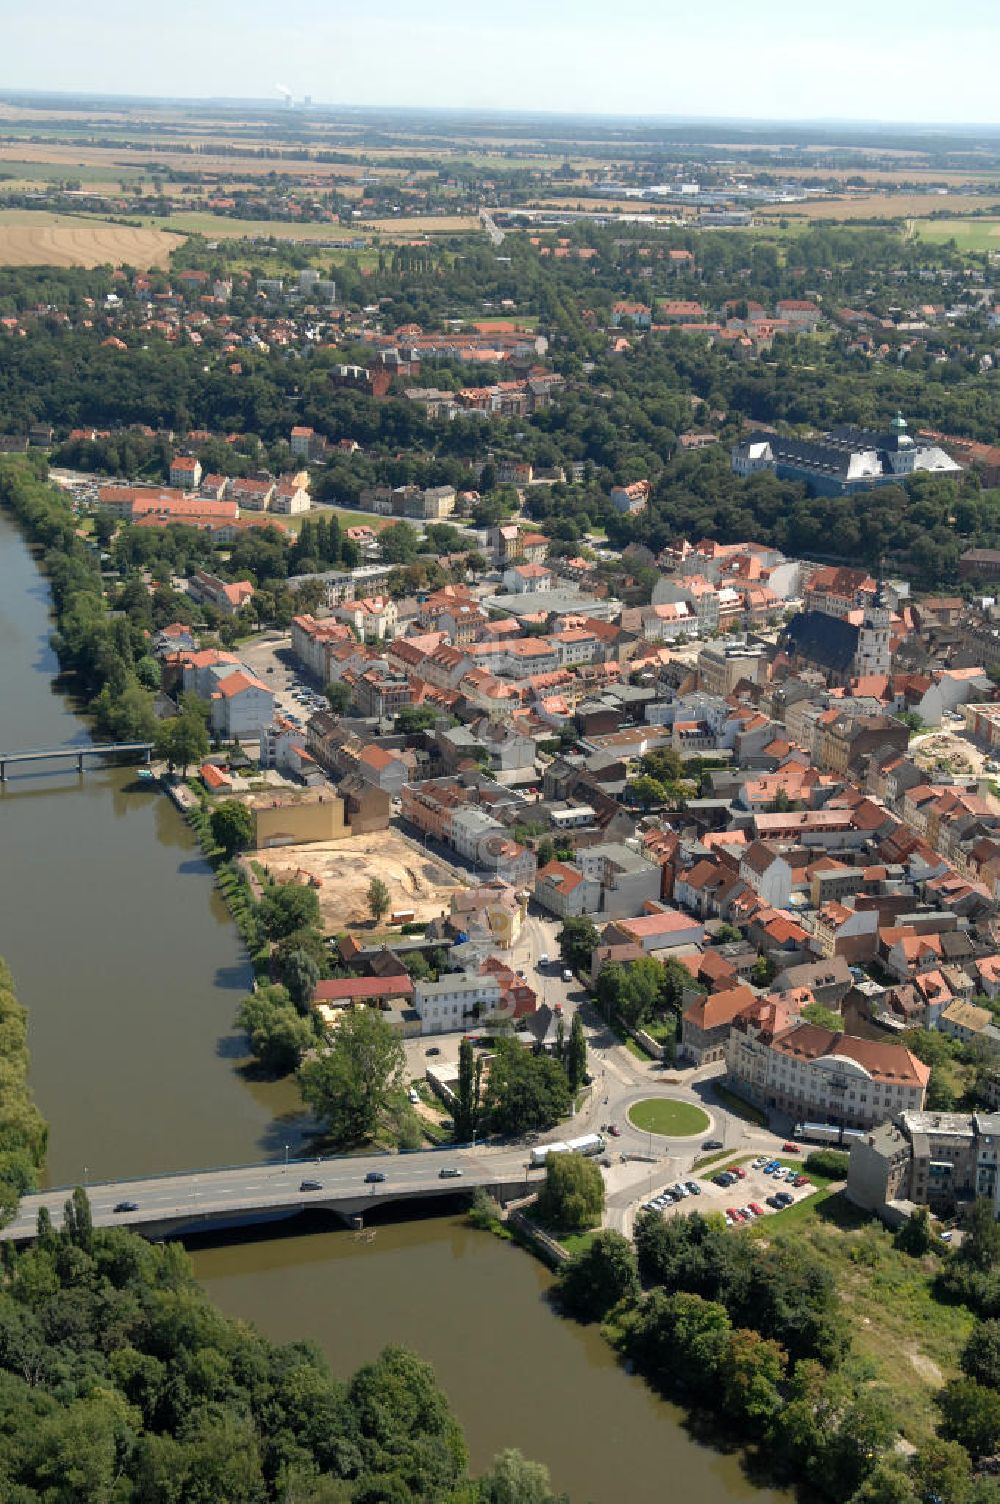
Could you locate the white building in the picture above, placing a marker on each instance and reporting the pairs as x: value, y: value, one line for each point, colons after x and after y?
x: 241, y: 706
x: 448, y: 1005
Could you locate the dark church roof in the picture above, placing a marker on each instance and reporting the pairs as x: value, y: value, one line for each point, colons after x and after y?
x: 824, y: 640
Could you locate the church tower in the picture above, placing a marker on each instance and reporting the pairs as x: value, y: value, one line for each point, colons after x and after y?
x: 872, y: 654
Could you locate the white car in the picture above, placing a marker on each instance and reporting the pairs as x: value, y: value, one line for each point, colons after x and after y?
x: 567, y: 975
x: 543, y: 959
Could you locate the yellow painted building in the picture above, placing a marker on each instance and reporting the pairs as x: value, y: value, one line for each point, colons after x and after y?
x: 293, y: 822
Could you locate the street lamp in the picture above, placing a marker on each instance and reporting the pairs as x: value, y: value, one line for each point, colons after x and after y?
x: 286, y: 1156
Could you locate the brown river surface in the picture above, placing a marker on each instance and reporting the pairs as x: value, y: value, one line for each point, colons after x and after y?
x: 131, y: 971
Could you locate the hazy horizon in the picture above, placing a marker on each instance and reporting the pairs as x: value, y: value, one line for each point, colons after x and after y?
x: 891, y: 63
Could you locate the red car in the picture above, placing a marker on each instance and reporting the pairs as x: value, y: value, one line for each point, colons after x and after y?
x: 800, y: 1180
x: 791, y: 1149
x: 735, y: 1213
x: 756, y: 1208
x: 739, y: 1170
x: 614, y: 1130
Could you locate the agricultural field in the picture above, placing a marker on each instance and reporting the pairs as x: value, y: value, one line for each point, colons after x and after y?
x: 869, y: 206
x: 30, y: 238
x: 968, y: 234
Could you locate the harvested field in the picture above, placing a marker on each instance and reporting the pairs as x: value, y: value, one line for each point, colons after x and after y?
x: 868, y: 206
x: 415, y: 879
x: 38, y: 239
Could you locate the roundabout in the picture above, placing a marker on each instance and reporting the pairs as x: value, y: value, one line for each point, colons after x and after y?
x: 669, y: 1116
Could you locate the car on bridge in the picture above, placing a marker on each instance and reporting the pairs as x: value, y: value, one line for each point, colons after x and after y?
x: 310, y: 1185
x: 448, y: 1173
x: 126, y: 1206
x: 374, y: 1177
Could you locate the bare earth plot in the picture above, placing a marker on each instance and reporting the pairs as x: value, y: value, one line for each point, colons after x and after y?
x: 38, y: 239
x: 416, y: 880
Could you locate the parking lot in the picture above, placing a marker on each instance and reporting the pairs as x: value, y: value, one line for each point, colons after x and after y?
x: 270, y: 658
x: 752, y: 1187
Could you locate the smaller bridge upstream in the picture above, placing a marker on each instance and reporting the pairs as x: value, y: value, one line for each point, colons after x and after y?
x: 143, y: 750
x: 194, y: 1201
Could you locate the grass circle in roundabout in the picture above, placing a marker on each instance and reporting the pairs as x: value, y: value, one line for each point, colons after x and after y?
x: 668, y: 1116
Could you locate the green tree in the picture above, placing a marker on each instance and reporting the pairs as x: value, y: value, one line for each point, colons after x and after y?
x: 597, y: 1278
x: 632, y: 993
x: 941, y: 1471
x: 524, y: 1091
x: 573, y: 1195
x: 399, y: 543
x: 287, y: 907
x: 823, y: 1018
x: 378, y: 899
x: 300, y: 972
x: 647, y: 791
x: 576, y: 1054
x: 349, y: 1086
x: 233, y: 826
x: 970, y: 1415
x: 183, y: 739
x: 467, y: 1105
x: 753, y: 1375
x: 279, y: 1035
x: 77, y: 1221
x: 980, y: 1358
x: 340, y: 696
x: 514, y: 1480
x: 576, y: 941
x: 916, y: 1236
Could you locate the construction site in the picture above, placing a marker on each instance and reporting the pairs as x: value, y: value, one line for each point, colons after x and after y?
x: 341, y: 871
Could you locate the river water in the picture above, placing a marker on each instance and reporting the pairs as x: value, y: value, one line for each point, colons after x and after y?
x: 131, y: 971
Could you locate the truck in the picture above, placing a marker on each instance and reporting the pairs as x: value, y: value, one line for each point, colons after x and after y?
x: 828, y: 1133
x: 587, y: 1143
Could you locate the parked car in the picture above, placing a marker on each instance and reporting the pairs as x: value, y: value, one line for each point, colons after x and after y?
x: 784, y: 1198
x: 433, y: 1050
x: 567, y: 975
x: 773, y: 1201
x: 800, y: 1180
x: 448, y: 1173
x: 735, y: 1213
x: 738, y: 1171
x: 692, y: 1187
x: 310, y: 1185
x: 680, y: 1191
x: 756, y: 1208
x: 374, y: 1177
x: 543, y: 960
x: 126, y: 1206
x: 759, y: 1162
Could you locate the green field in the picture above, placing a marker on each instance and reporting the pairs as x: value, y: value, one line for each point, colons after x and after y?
x: 669, y: 1117
x: 968, y: 234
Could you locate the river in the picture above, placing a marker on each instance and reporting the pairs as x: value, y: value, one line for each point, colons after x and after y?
x: 131, y: 971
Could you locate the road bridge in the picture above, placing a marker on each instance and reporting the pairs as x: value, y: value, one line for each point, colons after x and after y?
x: 189, y: 1202
x: 143, y: 750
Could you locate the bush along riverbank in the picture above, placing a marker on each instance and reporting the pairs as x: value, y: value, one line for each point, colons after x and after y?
x: 764, y: 1343
x: 23, y: 1131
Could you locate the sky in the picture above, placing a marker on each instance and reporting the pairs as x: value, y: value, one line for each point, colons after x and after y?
x: 773, y: 59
